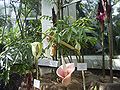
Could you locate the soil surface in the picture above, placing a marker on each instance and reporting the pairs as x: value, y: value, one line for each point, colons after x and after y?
x: 93, y: 82
x: 50, y: 81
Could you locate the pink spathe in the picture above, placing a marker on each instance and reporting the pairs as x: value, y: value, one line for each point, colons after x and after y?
x: 101, y: 17
x: 65, y: 73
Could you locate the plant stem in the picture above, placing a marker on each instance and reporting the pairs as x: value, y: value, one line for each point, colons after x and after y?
x: 36, y: 66
x: 82, y: 56
x: 18, y: 17
x: 58, y: 9
x: 61, y: 10
x: 65, y: 88
x: 110, y: 52
x: 103, y: 60
x: 110, y: 44
x: 4, y: 22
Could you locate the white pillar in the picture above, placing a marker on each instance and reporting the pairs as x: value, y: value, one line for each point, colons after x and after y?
x: 46, y: 24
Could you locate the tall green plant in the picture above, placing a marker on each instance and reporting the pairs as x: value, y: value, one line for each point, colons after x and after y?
x: 74, y: 34
x: 17, y: 56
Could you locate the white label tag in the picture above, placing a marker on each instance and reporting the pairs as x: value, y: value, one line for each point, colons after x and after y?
x: 53, y: 63
x: 48, y: 62
x: 36, y: 83
x: 81, y: 66
x: 44, y: 62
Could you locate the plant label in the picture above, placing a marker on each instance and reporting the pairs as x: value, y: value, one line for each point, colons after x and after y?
x: 44, y: 62
x: 36, y: 83
x: 81, y: 66
x: 47, y: 62
x: 53, y: 63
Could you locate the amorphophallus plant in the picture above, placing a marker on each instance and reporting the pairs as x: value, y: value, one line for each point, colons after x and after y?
x: 65, y: 71
x: 103, y: 12
x: 36, y: 51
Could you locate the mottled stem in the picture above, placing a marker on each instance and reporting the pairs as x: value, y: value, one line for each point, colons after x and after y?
x: 36, y: 66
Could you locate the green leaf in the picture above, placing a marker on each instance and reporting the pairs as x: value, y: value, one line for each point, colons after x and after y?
x: 74, y: 30
x: 69, y: 35
x: 58, y: 39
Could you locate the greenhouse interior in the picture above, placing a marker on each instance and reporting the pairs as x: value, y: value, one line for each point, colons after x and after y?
x: 59, y: 44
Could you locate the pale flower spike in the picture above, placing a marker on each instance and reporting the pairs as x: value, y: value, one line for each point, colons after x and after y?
x: 36, y: 49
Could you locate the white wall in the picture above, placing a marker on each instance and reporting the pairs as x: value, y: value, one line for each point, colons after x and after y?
x: 47, y: 11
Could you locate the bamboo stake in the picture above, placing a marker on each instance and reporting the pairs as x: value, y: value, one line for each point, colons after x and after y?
x: 83, y: 75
